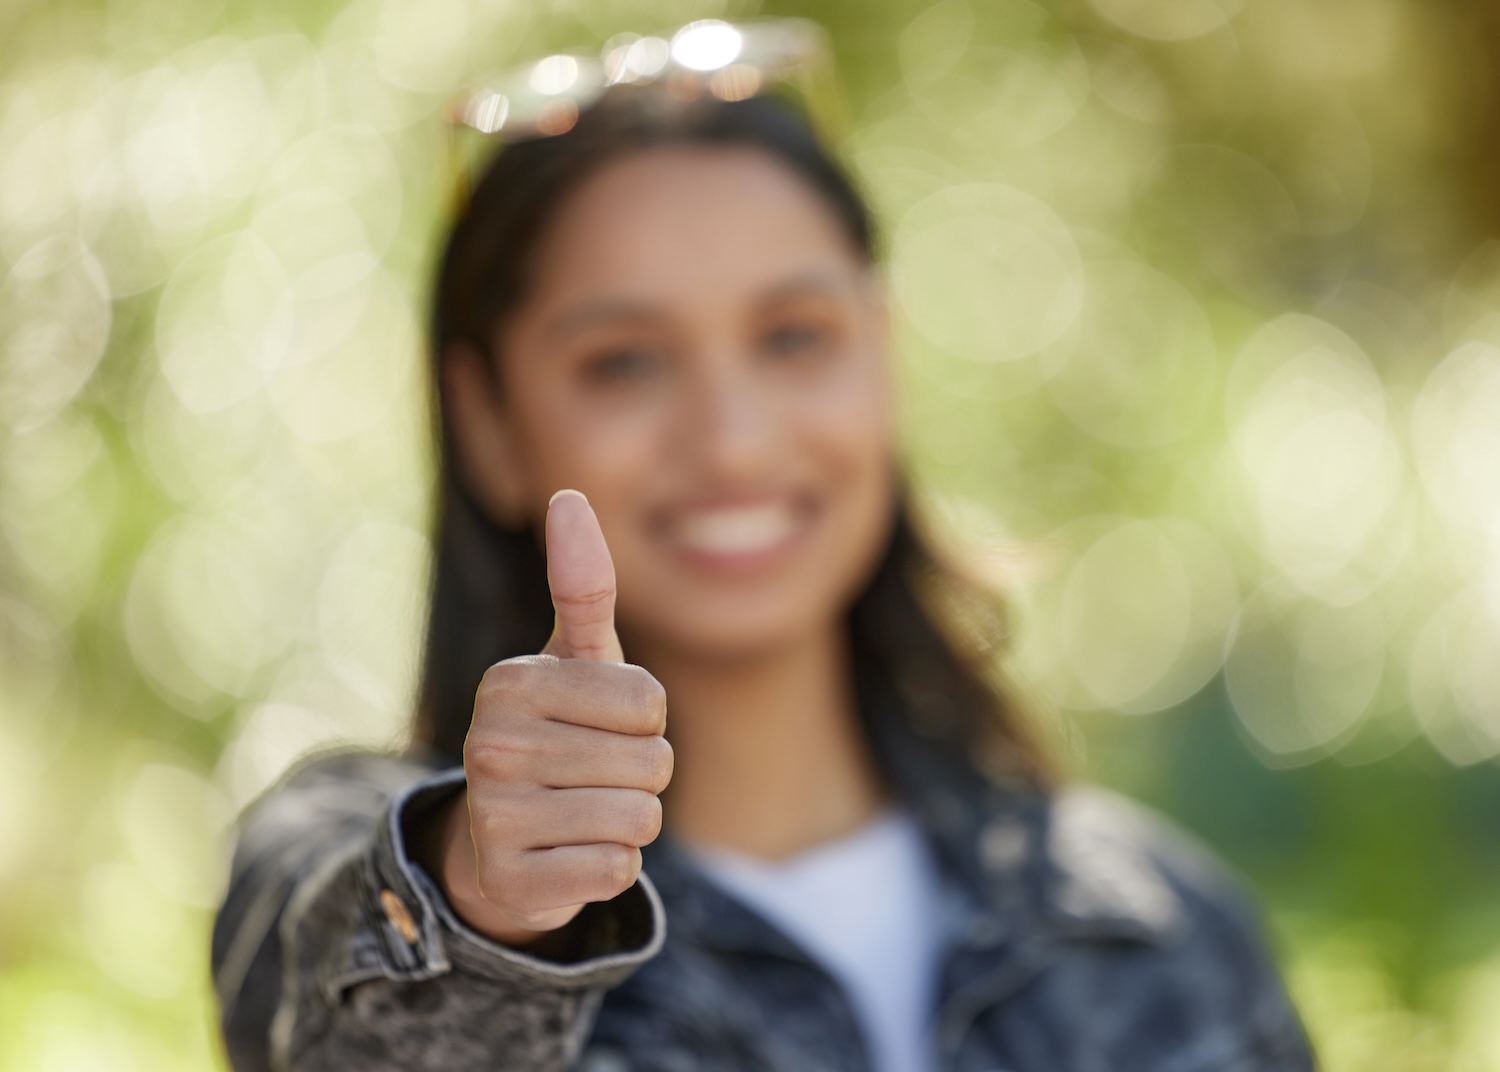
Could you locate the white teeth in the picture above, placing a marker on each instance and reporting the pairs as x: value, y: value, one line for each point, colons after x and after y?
x: 737, y: 530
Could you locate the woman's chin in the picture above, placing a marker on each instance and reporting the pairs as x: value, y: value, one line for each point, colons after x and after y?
x: 728, y: 634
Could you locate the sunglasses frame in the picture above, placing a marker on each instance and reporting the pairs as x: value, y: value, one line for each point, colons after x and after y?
x: 704, y: 58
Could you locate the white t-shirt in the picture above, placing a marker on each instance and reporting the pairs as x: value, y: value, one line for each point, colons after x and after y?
x: 867, y: 908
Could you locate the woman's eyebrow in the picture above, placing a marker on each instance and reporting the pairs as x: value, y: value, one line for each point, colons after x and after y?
x: 599, y: 311
x: 816, y: 281
x: 619, y: 309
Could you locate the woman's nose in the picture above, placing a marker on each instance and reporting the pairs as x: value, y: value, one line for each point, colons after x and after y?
x: 731, y: 421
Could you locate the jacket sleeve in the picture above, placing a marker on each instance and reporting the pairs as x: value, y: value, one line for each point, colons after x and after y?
x: 334, y: 950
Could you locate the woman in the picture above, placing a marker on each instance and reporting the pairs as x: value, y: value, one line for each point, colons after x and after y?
x: 673, y: 308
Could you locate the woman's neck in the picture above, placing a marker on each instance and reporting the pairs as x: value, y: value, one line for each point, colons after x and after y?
x: 771, y: 758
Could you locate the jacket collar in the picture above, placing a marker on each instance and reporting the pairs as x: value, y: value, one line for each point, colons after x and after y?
x: 1068, y: 862
x: 1028, y: 865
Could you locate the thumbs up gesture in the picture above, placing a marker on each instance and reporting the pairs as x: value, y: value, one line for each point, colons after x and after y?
x: 564, y: 758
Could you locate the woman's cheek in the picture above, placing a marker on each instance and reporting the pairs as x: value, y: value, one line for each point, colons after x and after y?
x: 614, y: 463
x: 851, y: 415
x: 588, y: 438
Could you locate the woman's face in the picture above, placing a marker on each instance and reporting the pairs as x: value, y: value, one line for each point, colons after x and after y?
x: 702, y: 354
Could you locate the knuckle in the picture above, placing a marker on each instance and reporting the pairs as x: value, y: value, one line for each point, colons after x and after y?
x: 498, y: 694
x: 499, y: 756
x: 493, y: 881
x: 507, y: 683
x: 489, y: 823
x: 497, y: 680
x: 660, y: 762
x: 646, y: 824
x: 620, y: 866
x: 527, y: 901
x: 531, y: 916
x: 526, y: 909
x: 535, y: 919
x: 647, y: 698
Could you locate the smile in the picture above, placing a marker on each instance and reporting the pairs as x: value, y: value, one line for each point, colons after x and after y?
x: 750, y: 529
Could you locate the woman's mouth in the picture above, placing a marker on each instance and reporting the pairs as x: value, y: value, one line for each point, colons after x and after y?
x: 738, y: 531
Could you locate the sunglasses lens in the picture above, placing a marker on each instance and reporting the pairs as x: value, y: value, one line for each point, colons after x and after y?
x: 630, y: 58
x: 708, y: 45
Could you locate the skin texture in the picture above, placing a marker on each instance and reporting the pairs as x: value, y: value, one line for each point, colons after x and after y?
x: 703, y: 355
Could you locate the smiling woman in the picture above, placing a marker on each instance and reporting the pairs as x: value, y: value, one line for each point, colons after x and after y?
x: 670, y: 483
x: 702, y: 353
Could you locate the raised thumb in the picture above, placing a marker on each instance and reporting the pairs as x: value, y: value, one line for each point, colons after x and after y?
x: 582, y: 578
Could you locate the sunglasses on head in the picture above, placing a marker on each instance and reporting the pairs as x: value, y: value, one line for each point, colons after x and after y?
x: 706, y: 58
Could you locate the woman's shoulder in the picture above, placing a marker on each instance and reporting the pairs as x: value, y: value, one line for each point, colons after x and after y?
x: 1068, y: 858
x: 1110, y: 855
x: 1155, y: 933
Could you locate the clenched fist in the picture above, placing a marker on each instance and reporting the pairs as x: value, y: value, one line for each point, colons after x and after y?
x: 565, y: 758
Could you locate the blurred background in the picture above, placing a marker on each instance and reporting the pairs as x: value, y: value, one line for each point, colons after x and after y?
x: 1199, y: 313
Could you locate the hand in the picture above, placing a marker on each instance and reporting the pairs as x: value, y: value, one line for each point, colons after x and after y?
x: 565, y: 758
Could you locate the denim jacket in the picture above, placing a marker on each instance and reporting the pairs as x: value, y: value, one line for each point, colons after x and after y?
x: 1083, y: 935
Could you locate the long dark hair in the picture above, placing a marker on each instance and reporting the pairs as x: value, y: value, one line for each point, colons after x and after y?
x: 921, y: 636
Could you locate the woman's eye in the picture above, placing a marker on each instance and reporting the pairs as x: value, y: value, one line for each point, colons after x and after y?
x: 624, y: 365
x: 795, y: 340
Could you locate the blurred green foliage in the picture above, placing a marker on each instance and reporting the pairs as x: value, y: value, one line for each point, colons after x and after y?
x: 1199, y: 308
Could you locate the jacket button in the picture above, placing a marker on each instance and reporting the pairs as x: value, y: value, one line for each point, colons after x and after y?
x: 398, y: 916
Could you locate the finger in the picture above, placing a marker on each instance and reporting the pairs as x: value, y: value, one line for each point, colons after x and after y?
x: 544, y: 879
x: 605, y: 760
x: 582, y: 578
x: 550, y: 818
x: 608, y: 696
